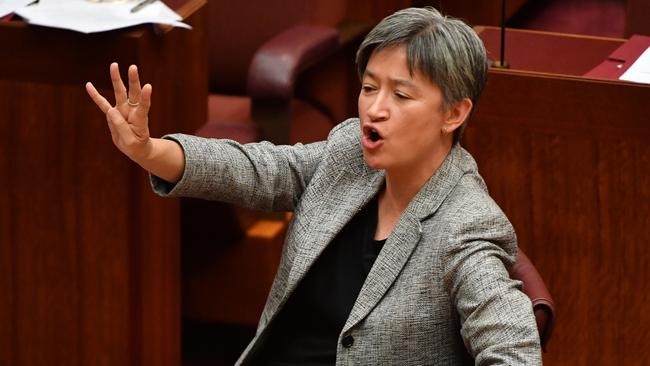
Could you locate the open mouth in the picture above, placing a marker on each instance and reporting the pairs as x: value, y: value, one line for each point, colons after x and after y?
x: 374, y: 135
x: 371, y: 134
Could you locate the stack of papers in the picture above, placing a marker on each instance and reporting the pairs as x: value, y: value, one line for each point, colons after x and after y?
x: 9, y: 6
x: 639, y: 72
x: 89, y: 17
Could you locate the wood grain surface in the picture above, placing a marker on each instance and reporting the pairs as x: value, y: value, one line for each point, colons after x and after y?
x: 568, y: 160
x: 89, y: 257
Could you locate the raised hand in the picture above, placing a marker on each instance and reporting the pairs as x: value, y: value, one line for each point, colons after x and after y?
x: 128, y: 120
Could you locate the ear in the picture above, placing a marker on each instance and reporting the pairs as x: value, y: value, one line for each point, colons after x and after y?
x: 457, y: 114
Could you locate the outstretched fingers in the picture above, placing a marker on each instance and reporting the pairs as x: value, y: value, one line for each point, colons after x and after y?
x: 118, y: 85
x: 142, y: 111
x: 134, y: 85
x: 101, y: 102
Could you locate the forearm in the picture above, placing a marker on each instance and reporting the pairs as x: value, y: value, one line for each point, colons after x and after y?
x: 257, y: 175
x: 163, y: 158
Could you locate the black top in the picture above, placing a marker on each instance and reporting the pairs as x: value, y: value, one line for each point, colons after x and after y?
x: 306, y: 329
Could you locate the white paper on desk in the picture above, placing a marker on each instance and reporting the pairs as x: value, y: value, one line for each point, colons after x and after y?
x: 639, y: 72
x: 9, y: 6
x: 88, y: 17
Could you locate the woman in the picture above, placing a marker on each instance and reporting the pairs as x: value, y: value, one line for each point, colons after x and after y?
x: 396, y: 253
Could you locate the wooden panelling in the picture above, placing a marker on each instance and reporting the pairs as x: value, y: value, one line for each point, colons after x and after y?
x: 524, y: 50
x: 373, y: 11
x: 89, y: 256
x: 474, y: 12
x: 637, y: 17
x: 7, y: 246
x: 568, y: 161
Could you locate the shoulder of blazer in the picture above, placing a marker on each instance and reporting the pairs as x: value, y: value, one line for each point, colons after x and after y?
x: 470, y: 213
x: 344, y: 147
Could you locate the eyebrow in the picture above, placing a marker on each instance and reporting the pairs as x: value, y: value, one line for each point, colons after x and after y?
x: 397, y: 81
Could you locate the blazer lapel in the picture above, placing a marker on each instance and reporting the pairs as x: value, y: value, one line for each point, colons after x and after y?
x: 405, y: 236
x: 347, y: 193
x: 388, y: 265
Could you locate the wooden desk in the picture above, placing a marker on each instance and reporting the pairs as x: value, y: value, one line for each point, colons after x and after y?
x: 89, y: 256
x: 568, y: 160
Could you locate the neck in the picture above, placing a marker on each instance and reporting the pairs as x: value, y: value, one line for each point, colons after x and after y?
x: 403, y: 183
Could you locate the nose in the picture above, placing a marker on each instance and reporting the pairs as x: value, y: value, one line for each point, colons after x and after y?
x: 378, y: 108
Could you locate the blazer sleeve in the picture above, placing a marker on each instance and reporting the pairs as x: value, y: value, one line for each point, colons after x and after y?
x: 497, y: 321
x: 257, y: 175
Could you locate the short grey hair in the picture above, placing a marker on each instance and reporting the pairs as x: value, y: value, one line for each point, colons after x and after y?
x: 444, y: 49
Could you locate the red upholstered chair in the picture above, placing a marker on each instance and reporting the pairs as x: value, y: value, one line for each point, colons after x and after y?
x: 535, y: 289
x: 281, y: 71
x: 270, y: 111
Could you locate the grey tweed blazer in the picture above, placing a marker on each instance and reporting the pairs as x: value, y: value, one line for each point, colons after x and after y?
x: 439, y: 292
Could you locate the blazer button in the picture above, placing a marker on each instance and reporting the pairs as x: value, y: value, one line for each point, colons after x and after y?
x: 347, y: 341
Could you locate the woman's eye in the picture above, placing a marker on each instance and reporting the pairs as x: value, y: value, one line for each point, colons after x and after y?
x: 367, y: 88
x: 402, y: 96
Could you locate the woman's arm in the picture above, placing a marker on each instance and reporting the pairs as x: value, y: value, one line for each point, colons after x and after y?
x: 257, y: 175
x: 497, y: 321
x: 128, y: 122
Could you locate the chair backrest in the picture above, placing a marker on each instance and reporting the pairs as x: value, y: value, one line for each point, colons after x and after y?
x: 238, y: 28
x: 534, y: 287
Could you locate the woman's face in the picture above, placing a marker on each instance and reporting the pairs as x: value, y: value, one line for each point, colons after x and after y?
x: 401, y: 114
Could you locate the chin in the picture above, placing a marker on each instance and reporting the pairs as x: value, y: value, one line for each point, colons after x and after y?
x: 373, y: 161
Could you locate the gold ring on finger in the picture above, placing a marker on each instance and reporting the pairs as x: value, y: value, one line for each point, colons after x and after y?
x: 132, y: 104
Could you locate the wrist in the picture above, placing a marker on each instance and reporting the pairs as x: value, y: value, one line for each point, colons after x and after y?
x: 144, y: 153
x: 162, y: 158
